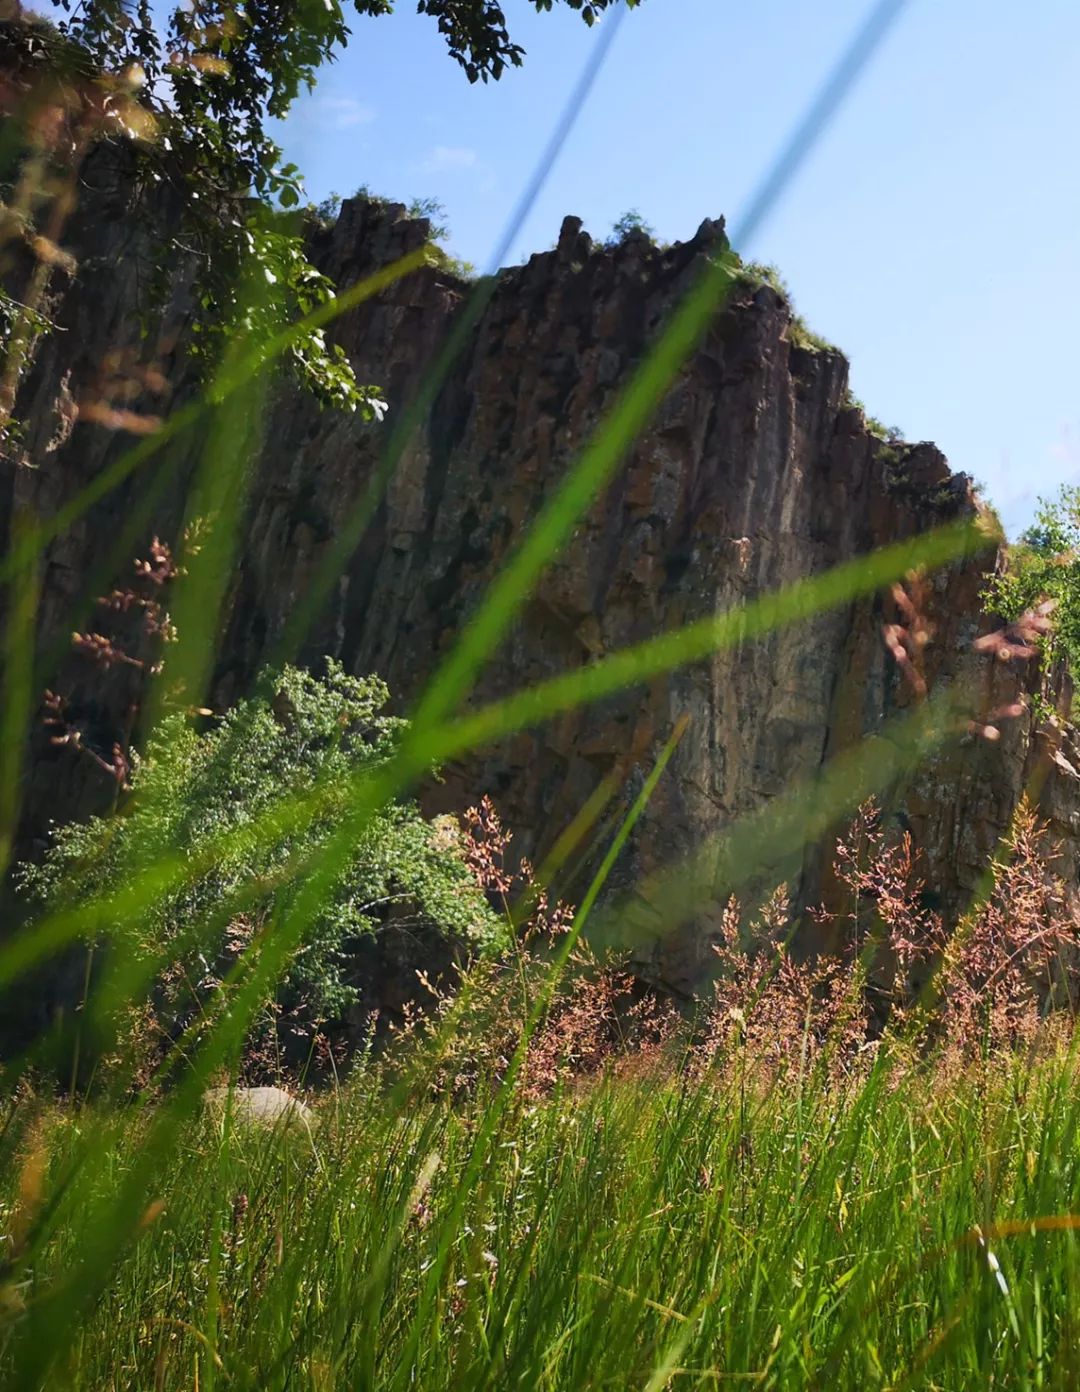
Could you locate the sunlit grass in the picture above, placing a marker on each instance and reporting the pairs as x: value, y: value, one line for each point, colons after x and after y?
x: 791, y: 1233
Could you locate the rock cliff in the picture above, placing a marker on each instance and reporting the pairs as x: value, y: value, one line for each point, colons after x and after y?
x: 754, y: 473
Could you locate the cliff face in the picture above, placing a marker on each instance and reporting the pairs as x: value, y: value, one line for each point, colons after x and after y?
x: 753, y: 474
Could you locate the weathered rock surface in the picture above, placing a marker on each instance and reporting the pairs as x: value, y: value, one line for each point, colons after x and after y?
x: 753, y: 473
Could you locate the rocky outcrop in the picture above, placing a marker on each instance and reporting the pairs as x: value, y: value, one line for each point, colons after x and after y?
x: 755, y: 472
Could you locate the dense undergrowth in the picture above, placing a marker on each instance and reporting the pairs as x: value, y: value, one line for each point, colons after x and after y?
x: 1043, y: 567
x: 195, y: 791
x: 860, y: 1171
x: 666, y: 1227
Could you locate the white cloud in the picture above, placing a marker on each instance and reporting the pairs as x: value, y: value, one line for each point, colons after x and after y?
x: 448, y: 157
x: 341, y: 113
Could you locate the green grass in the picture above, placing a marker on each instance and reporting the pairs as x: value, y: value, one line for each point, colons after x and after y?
x: 650, y: 1231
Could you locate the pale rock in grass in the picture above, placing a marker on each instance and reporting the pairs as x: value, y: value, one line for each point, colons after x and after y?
x: 263, y: 1106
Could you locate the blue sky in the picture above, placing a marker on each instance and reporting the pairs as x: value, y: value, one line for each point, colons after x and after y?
x: 933, y: 234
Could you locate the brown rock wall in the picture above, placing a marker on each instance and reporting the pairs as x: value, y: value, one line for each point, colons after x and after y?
x: 752, y: 475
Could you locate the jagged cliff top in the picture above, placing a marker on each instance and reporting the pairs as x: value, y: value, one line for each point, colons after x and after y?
x: 637, y: 266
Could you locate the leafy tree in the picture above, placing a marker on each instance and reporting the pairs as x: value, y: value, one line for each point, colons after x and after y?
x: 630, y: 224
x: 190, y: 790
x: 1045, y: 564
x: 435, y: 211
x: 475, y: 30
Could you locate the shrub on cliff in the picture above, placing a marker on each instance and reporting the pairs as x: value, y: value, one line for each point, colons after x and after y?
x: 631, y: 224
x: 191, y: 791
x: 755, y: 274
x: 1044, y: 565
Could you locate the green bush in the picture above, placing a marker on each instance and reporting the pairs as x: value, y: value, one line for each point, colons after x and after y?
x: 803, y: 336
x: 190, y: 790
x: 435, y: 211
x: 443, y: 260
x: 1045, y: 565
x: 327, y: 209
x: 631, y: 224
x: 889, y: 434
x: 757, y: 273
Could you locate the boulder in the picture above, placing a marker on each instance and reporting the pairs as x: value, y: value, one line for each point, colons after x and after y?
x: 263, y: 1106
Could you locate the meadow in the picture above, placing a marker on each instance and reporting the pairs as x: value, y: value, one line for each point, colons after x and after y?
x: 823, y: 1177
x: 660, y: 1228
x: 854, y: 1171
